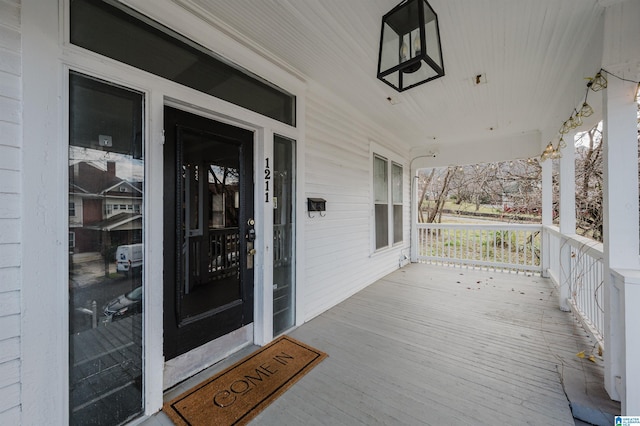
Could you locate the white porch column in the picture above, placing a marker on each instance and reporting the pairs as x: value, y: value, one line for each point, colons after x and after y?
x: 414, y: 214
x: 567, y: 217
x: 621, y: 245
x: 547, y: 213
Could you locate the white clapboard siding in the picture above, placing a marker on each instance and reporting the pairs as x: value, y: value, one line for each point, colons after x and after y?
x: 338, y: 163
x: 10, y: 198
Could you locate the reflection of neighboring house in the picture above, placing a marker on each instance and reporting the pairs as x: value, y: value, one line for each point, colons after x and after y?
x: 99, y: 203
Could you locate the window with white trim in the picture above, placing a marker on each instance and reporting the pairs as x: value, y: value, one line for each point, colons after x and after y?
x: 396, y: 199
x: 388, y: 201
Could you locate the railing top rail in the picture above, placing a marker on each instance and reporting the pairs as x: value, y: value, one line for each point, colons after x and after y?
x: 585, y: 245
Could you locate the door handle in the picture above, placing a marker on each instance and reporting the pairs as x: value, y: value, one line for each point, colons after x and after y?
x: 251, y: 252
x: 251, y: 232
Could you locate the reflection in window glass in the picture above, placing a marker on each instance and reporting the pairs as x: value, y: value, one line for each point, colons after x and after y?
x: 105, y: 252
x: 211, y: 258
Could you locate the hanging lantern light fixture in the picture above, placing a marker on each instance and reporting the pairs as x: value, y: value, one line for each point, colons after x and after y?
x: 566, y: 128
x: 410, y: 52
x: 586, y: 110
x: 548, y: 152
x: 577, y: 119
x: 598, y: 82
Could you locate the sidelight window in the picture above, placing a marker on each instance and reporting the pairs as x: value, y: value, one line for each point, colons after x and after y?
x: 105, y: 253
x: 284, y: 234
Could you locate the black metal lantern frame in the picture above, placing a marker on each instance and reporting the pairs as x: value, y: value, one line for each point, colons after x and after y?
x: 410, y: 52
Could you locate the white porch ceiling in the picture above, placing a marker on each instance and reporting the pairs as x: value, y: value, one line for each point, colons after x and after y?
x: 534, y: 55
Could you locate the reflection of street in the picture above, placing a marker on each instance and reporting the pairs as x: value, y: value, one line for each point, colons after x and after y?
x: 106, y: 372
x: 88, y: 284
x: 105, y: 213
x: 88, y: 268
x: 106, y: 357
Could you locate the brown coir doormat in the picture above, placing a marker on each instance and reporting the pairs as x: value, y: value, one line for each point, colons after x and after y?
x: 237, y: 394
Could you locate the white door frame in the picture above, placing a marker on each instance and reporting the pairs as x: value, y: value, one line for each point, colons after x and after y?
x: 45, y: 121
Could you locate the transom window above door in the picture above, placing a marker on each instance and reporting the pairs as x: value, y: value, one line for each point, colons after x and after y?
x: 120, y: 33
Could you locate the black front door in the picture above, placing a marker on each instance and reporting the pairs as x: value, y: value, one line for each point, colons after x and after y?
x: 208, y: 230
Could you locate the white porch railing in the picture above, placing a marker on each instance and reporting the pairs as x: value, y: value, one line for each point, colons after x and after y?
x: 574, y: 262
x: 577, y: 262
x: 508, y: 247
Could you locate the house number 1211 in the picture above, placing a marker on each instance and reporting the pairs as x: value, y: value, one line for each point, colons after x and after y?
x: 267, y: 178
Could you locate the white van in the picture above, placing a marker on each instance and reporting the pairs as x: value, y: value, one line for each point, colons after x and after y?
x: 129, y: 259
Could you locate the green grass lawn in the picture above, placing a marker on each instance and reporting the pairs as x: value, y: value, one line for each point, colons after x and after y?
x: 483, y: 210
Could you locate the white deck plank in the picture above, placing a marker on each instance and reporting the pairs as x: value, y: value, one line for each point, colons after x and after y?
x: 433, y: 345
x: 430, y: 345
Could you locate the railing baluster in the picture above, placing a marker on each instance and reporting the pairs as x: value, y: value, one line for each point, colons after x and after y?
x: 525, y: 248
x: 468, y: 233
x: 494, y: 246
x: 497, y: 247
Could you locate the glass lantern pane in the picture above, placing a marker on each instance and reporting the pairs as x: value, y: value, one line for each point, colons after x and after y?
x: 432, y: 39
x: 416, y: 43
x: 424, y: 73
x: 393, y: 79
x: 390, y: 55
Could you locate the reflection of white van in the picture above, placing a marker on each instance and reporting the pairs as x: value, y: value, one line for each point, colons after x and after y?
x: 129, y: 258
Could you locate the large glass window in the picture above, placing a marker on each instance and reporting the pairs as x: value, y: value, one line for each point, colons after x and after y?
x: 105, y: 252
x: 284, y: 247
x: 112, y: 30
x: 388, y: 201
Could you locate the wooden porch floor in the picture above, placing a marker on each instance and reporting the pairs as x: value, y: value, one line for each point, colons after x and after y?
x: 430, y: 345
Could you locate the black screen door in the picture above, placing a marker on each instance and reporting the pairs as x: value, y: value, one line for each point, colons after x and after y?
x: 208, y: 230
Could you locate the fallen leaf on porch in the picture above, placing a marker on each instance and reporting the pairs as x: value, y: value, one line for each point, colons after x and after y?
x: 592, y: 358
x: 580, y: 354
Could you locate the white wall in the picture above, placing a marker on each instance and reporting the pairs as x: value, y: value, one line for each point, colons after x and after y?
x: 338, y: 165
x: 10, y: 198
